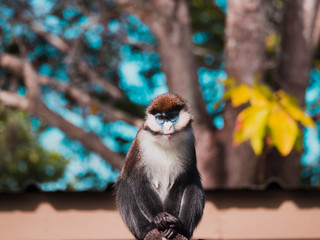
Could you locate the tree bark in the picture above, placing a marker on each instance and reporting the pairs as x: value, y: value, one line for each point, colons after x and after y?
x: 245, y: 51
x: 245, y: 48
x: 297, y: 48
x: 178, y: 63
x: 297, y: 51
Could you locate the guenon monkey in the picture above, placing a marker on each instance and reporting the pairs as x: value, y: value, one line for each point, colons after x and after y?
x: 159, y: 186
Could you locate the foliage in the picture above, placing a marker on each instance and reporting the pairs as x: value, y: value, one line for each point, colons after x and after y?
x: 23, y: 160
x: 271, y: 118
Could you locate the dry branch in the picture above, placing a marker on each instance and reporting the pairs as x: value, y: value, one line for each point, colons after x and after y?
x: 63, y: 46
x: 15, y: 64
x: 34, y: 106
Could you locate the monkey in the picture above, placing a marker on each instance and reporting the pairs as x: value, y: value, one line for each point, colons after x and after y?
x: 159, y: 186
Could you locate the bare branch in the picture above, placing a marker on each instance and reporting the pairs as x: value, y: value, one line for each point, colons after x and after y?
x: 31, y: 81
x: 13, y: 100
x: 84, y: 68
x: 112, y: 90
x: 34, y: 105
x: 82, y: 97
x: 146, y: 11
x: 55, y: 40
x: 73, y: 49
x: 11, y: 62
x: 89, y: 140
x: 15, y: 64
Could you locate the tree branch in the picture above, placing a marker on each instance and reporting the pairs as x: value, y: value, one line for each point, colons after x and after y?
x: 82, y: 66
x: 15, y: 64
x: 89, y: 140
x: 31, y: 81
x: 54, y: 40
x: 13, y: 100
x: 34, y: 105
x: 112, y: 114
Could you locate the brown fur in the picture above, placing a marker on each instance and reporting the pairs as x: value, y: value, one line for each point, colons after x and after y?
x: 133, y: 155
x: 166, y: 103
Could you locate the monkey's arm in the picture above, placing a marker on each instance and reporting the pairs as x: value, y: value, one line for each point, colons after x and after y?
x: 192, y: 204
x: 152, y: 208
x: 137, y: 205
x: 147, y: 199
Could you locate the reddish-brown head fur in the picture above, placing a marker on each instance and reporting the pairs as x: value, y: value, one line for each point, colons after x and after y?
x: 166, y: 103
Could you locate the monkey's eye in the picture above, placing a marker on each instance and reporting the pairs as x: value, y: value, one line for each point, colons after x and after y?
x: 160, y: 118
x: 173, y: 116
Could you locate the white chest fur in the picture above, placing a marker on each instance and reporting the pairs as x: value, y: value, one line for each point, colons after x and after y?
x: 163, y: 160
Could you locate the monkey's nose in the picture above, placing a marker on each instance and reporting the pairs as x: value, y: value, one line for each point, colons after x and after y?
x: 168, y: 128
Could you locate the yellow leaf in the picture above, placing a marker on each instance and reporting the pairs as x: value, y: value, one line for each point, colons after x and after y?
x: 240, y: 95
x: 260, y: 96
x: 227, y: 94
x: 257, y: 144
x: 290, y: 104
x: 229, y: 82
x: 251, y: 124
x: 306, y: 120
x: 242, y: 130
x: 284, y: 96
x: 257, y: 139
x: 284, y: 130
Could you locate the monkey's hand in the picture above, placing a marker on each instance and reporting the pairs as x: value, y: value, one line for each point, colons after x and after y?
x: 168, y: 223
x: 165, y: 220
x: 170, y: 233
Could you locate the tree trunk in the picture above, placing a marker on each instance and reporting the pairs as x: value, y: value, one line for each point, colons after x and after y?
x: 293, y: 74
x: 297, y: 49
x: 244, y: 62
x: 178, y: 63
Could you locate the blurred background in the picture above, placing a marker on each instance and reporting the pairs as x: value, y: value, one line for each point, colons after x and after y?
x: 76, y: 76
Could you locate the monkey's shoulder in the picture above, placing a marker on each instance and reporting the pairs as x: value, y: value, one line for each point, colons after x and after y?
x: 132, y: 158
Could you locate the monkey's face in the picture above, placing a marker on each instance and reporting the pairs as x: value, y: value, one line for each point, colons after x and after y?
x: 167, y: 121
x: 167, y: 116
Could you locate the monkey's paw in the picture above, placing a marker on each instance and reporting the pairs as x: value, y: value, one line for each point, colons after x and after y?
x: 165, y: 221
x: 170, y: 233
